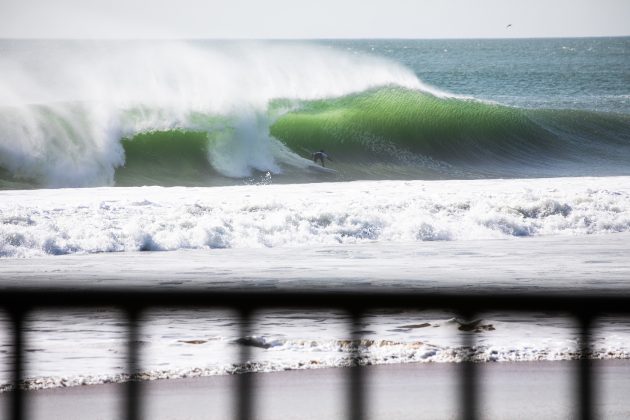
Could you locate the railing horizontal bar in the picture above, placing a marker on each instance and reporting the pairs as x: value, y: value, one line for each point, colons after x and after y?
x: 356, y: 301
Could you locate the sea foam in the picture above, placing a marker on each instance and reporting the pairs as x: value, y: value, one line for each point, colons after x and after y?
x: 67, y: 221
x: 297, y: 345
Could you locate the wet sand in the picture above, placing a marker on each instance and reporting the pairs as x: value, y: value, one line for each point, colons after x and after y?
x: 522, y: 390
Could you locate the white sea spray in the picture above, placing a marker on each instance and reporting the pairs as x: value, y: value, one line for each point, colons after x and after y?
x: 63, y: 127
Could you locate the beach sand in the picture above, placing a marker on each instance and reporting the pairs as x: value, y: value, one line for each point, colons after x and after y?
x: 522, y: 390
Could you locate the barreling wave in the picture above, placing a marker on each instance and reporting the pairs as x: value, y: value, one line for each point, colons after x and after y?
x: 447, y: 137
x: 227, y: 114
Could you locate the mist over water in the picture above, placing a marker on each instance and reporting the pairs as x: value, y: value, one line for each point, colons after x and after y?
x: 65, y: 107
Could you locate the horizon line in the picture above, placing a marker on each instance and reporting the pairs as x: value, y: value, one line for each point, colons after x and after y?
x: 481, y: 38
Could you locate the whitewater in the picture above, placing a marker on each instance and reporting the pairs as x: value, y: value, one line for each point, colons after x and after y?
x: 95, y: 220
x: 455, y: 166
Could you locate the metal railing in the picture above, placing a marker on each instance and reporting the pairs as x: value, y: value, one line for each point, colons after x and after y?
x: 584, y: 308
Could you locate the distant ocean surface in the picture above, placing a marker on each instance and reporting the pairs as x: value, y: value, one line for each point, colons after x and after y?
x: 440, y: 150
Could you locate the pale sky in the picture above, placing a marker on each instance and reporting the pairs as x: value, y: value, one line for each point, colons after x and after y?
x: 130, y: 19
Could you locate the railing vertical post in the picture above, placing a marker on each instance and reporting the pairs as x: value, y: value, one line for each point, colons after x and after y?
x: 468, y: 382
x: 132, y: 402
x: 245, y: 399
x: 17, y: 397
x: 585, y: 391
x: 356, y: 372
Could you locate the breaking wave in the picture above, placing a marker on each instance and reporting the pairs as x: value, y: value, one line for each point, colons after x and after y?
x: 274, y: 355
x: 84, y: 114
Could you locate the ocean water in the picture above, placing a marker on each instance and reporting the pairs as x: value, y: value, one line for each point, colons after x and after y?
x: 454, y: 164
x: 86, y: 114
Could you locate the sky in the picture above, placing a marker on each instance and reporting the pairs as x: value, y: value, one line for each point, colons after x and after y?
x: 177, y: 19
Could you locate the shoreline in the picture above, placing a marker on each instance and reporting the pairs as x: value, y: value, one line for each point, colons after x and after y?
x: 505, y: 390
x: 563, y: 264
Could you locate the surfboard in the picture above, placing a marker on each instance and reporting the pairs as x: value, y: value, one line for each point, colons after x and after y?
x: 319, y: 168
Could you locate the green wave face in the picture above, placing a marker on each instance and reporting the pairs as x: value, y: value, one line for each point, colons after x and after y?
x: 386, y: 133
x: 165, y: 158
x: 411, y: 127
x: 383, y: 123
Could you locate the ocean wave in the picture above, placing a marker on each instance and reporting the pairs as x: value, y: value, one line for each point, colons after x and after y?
x: 197, y: 344
x: 230, y: 113
x: 70, y: 221
x: 66, y: 127
x: 333, y: 354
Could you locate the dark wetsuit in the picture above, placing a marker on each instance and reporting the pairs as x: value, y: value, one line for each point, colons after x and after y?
x: 321, y: 156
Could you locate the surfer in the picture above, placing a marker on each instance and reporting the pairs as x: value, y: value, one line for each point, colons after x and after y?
x: 321, y: 156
